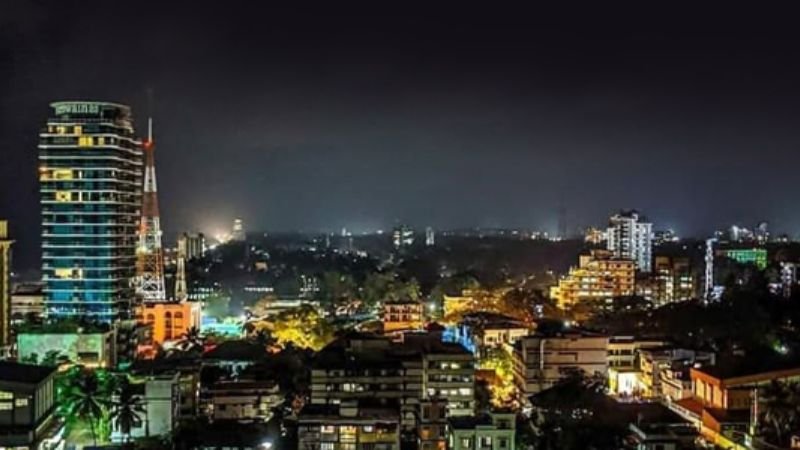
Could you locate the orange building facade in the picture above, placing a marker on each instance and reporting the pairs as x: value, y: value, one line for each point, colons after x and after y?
x: 724, y: 403
x: 169, y: 321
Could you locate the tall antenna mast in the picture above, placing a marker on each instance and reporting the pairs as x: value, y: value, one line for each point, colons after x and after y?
x: 180, y: 272
x: 149, y: 253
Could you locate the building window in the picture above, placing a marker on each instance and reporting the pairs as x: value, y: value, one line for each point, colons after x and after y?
x: 5, y: 406
x: 62, y: 174
x: 424, y: 432
x: 328, y: 429
x: 63, y: 196
x: 486, y: 441
x: 465, y: 443
x: 327, y: 446
x: 63, y: 273
x: 5, y: 395
x: 368, y: 429
x: 21, y: 402
x: 503, y: 442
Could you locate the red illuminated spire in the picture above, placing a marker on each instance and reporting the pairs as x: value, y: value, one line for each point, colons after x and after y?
x: 150, y: 255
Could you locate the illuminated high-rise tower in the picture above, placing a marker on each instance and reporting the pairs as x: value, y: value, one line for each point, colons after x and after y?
x: 149, y: 254
x: 402, y: 236
x: 430, y: 236
x: 90, y: 182
x: 630, y: 236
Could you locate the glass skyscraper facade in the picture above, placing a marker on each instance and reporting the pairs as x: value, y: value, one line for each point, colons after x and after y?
x: 90, y: 173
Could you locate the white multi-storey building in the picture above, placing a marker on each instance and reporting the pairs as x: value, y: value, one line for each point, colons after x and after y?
x: 430, y: 236
x: 631, y: 237
x: 542, y: 360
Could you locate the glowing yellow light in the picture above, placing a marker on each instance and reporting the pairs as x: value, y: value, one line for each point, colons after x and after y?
x: 62, y: 174
x: 63, y: 273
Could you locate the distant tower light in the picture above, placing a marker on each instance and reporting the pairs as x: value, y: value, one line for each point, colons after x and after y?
x: 238, y: 233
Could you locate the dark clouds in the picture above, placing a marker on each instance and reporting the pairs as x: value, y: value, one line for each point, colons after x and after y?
x: 318, y: 119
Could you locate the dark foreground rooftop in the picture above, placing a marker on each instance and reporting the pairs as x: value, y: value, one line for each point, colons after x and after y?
x: 24, y: 373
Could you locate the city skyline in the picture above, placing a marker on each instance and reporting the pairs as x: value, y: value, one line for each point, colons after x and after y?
x: 448, y: 128
x: 388, y: 228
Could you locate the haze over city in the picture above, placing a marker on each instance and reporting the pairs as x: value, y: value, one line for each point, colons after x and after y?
x: 317, y: 120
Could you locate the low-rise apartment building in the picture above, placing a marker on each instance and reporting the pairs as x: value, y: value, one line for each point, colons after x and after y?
x: 599, y: 276
x: 541, y: 361
x: 421, y: 367
x: 492, y: 431
x: 481, y: 331
x: 676, y: 382
x: 27, y: 303
x: 675, y: 280
x: 169, y: 321
x: 364, y: 366
x: 187, y: 371
x: 654, y: 361
x: 160, y: 395
x: 432, y: 425
x: 449, y: 374
x: 724, y: 397
x: 623, y: 351
x: 402, y: 316
x: 27, y: 408
x: 623, y: 363
x: 91, y: 348
x: 240, y: 400
x: 351, y: 425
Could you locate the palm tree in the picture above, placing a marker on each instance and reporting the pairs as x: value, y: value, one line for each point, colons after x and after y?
x: 84, y: 399
x: 192, y: 339
x: 127, y: 408
x: 263, y: 338
x: 779, y: 410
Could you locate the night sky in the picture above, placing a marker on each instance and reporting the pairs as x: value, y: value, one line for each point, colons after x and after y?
x: 318, y: 119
